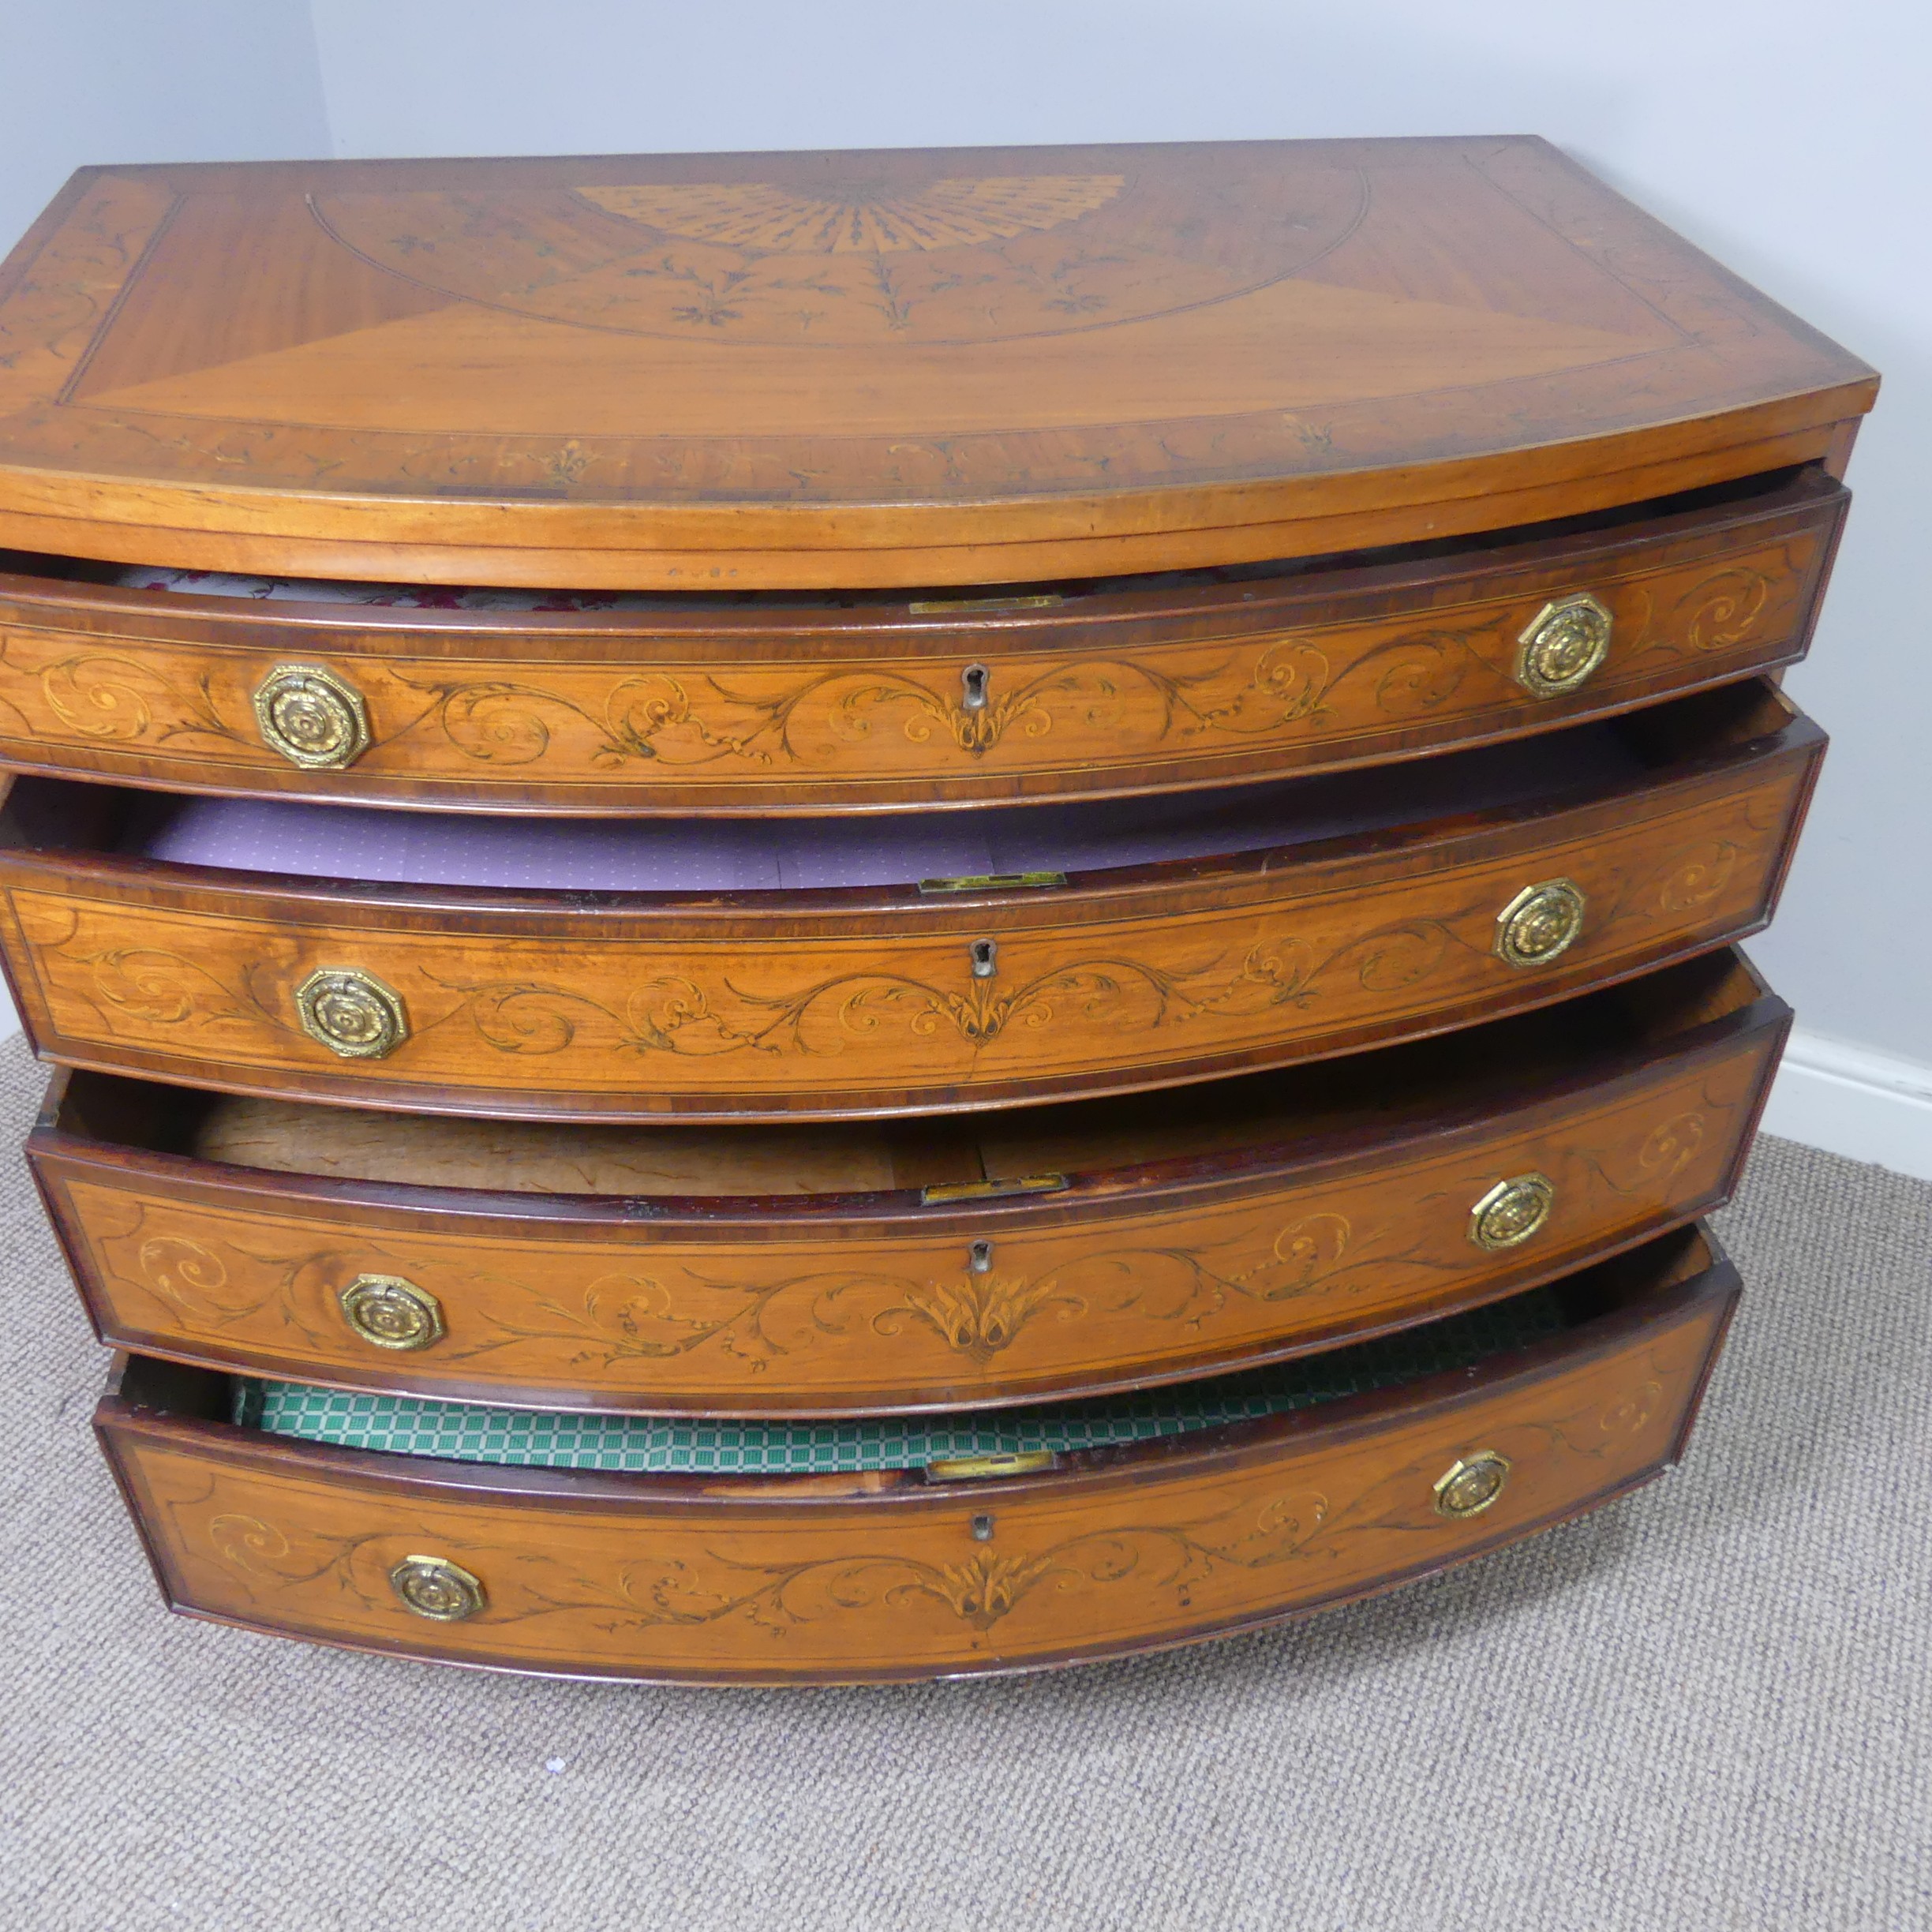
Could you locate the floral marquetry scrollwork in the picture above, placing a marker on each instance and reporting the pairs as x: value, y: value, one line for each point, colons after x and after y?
x: 101, y: 697
x: 1722, y: 610
x: 247, y: 1543
x: 1631, y: 1412
x: 679, y: 1015
x: 186, y: 1275
x: 1698, y: 876
x: 1670, y: 1146
x: 979, y: 1316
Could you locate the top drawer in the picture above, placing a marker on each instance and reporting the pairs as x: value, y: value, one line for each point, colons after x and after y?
x: 502, y: 701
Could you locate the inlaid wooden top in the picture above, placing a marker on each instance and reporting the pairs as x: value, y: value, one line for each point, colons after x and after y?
x: 949, y: 366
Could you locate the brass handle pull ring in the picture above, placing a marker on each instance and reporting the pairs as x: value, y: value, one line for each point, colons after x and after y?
x: 1471, y: 1484
x: 1563, y: 646
x: 1511, y: 1212
x: 388, y: 1312
x: 351, y: 1013
x: 1541, y: 923
x: 313, y: 716
x: 435, y: 1588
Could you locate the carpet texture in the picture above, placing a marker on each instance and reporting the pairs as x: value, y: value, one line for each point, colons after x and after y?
x: 1707, y: 1707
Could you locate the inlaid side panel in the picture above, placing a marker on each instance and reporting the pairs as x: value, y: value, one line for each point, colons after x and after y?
x: 819, y: 714
x: 910, y: 1307
x: 746, y: 1580
x: 920, y: 1006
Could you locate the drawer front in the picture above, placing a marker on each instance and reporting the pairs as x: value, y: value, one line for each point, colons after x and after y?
x: 711, y: 1014
x: 1124, y: 1279
x: 793, y: 1580
x: 754, y: 711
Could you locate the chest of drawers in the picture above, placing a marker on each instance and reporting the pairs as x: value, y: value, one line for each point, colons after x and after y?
x: 850, y: 916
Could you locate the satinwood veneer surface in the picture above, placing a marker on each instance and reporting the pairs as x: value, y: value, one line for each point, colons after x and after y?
x: 852, y: 1269
x: 512, y: 701
x: 672, y: 533
x: 891, y: 1573
x: 874, y: 999
x: 844, y: 369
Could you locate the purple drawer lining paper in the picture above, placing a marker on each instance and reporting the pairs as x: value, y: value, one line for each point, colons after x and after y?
x: 798, y: 854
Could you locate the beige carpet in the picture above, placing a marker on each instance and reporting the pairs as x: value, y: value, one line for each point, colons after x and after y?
x: 1706, y: 1707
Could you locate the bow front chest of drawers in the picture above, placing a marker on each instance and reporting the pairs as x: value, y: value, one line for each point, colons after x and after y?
x: 855, y: 915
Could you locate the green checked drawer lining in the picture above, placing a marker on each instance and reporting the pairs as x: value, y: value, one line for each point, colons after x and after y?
x: 465, y: 1433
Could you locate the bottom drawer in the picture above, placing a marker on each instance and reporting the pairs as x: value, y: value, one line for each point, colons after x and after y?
x: 948, y: 1568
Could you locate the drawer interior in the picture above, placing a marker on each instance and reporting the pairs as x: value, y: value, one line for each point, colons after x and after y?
x: 1481, y: 1341
x: 382, y: 846
x: 781, y: 854
x: 1251, y: 1119
x: 470, y: 1432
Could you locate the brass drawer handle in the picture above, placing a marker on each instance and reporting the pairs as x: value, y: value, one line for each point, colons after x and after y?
x: 1540, y: 923
x: 1471, y: 1484
x: 933, y: 607
x: 312, y: 717
x: 1564, y: 646
x: 388, y: 1312
x: 435, y: 1588
x: 351, y: 1013
x: 936, y: 1193
x: 1511, y: 1212
x: 977, y: 1468
x: 993, y: 881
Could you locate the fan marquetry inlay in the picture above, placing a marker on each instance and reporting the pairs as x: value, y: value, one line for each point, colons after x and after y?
x: 860, y: 219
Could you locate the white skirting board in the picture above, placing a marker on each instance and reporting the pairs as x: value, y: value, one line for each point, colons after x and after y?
x: 1870, y: 1106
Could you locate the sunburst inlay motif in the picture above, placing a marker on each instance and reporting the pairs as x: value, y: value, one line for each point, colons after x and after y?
x: 879, y: 252
x: 860, y: 219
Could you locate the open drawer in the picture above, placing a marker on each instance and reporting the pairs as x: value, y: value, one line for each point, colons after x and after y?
x: 644, y: 969
x: 1367, y: 1467
x: 1000, y: 1258
x: 515, y: 701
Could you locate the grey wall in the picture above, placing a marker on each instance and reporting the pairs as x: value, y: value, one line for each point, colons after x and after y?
x: 1797, y: 145
x: 93, y: 80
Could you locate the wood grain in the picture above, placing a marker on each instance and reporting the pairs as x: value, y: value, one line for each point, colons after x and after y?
x: 1309, y: 1225
x: 943, y: 366
x: 764, y: 705
x: 775, y: 1579
x: 865, y: 1001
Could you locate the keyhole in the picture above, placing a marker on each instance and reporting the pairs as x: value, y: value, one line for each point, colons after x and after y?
x: 983, y: 1529
x: 979, y: 1258
x: 985, y: 958
x: 975, y: 677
